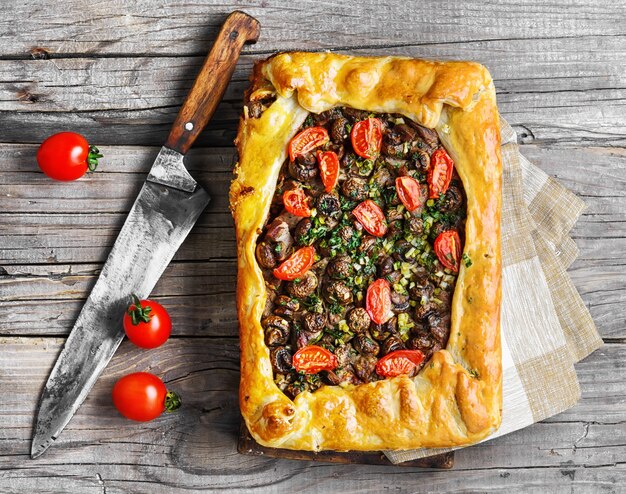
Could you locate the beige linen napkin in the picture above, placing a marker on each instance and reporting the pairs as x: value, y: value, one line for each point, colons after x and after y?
x: 546, y: 327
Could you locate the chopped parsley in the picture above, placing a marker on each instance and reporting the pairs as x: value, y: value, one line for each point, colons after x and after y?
x: 467, y: 260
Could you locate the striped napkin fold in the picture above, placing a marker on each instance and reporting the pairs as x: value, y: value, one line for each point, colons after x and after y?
x: 546, y: 327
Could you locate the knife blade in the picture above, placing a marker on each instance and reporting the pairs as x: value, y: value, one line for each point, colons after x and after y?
x: 167, y: 207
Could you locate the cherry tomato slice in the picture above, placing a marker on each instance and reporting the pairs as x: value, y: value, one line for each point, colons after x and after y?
x: 67, y: 156
x: 440, y: 173
x: 367, y: 138
x: 329, y: 169
x: 313, y: 359
x: 369, y: 214
x: 409, y: 192
x: 448, y: 249
x: 306, y: 141
x: 378, y: 301
x: 297, y: 202
x: 147, y: 324
x: 296, y: 265
x: 399, y: 362
x: 142, y: 396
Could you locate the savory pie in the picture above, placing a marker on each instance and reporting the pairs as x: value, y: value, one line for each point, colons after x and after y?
x: 367, y: 208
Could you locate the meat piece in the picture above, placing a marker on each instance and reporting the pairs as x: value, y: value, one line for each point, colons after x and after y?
x: 392, y: 344
x: 394, y: 215
x: 365, y: 344
x: 358, y: 320
x: 345, y: 354
x: 418, y: 291
x: 338, y: 130
x: 269, y: 303
x: 439, y: 327
x: 429, y: 136
x: 355, y: 114
x: 304, y: 286
x: 405, y: 132
x: 278, y: 234
x: 421, y: 342
x: 265, y: 256
x: 255, y: 109
x: 437, y: 229
x: 326, y: 116
x: 329, y: 377
x: 337, y: 292
x: 329, y: 205
x: 307, y: 160
x: 355, y: 188
x: 281, y: 359
x: 383, y: 177
x: 340, y: 268
x: 399, y: 150
x: 385, y: 267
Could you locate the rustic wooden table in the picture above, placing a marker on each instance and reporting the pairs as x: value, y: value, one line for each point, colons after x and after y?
x: 117, y: 72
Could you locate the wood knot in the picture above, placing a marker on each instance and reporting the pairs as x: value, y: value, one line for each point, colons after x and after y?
x: 26, y: 96
x: 39, y: 53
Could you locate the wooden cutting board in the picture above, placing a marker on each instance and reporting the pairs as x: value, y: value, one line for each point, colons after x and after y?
x: 248, y: 446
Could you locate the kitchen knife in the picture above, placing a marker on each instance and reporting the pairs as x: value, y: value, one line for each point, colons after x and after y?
x: 164, y: 212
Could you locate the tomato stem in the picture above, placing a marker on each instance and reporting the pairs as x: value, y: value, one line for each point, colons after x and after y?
x: 138, y: 313
x: 92, y: 158
x: 172, y: 402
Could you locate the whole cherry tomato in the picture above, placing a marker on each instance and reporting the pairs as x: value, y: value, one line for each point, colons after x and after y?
x: 329, y: 169
x: 67, y: 156
x: 448, y: 249
x: 296, y: 265
x: 367, y: 138
x: 378, y: 301
x: 399, y: 362
x: 369, y: 214
x: 142, y: 397
x: 297, y: 202
x: 409, y: 192
x: 313, y: 359
x: 440, y: 173
x: 306, y: 141
x: 147, y: 324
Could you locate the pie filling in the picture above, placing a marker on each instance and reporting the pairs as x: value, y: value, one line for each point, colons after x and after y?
x: 361, y: 251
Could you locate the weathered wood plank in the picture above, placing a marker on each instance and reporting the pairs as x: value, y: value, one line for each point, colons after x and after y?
x: 571, y: 93
x: 196, y: 447
x: 162, y: 28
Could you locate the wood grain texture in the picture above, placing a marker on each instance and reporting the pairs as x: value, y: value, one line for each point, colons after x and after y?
x: 195, y: 448
x: 118, y: 71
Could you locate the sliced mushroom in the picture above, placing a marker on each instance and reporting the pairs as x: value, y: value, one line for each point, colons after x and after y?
x: 302, y: 172
x: 329, y: 205
x: 340, y: 268
x: 281, y: 359
x: 338, y: 130
x: 265, y: 256
x: 453, y: 198
x: 385, y: 267
x: 346, y: 233
x: 355, y: 188
x: 399, y: 301
x: 416, y: 225
x: 276, y: 330
x: 392, y: 344
x: 365, y: 344
x: 314, y: 322
x: 364, y: 367
x: 286, y: 307
x: 337, y: 292
x: 302, y: 232
x: 303, y: 287
x: 358, y: 320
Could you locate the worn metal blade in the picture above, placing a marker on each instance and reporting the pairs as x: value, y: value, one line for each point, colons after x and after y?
x: 157, y: 224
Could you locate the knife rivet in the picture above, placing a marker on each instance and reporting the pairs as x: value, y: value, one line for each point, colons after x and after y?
x: 189, y: 126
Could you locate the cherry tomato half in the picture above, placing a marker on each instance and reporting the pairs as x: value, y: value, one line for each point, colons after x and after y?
x: 147, y: 324
x: 306, y: 141
x: 67, y: 156
x: 399, y: 362
x: 297, y: 202
x: 142, y: 397
x: 296, y: 265
x: 378, y: 301
x: 329, y: 169
x: 369, y: 214
x: 313, y: 359
x: 409, y: 192
x: 367, y: 138
x: 440, y: 173
x: 448, y: 249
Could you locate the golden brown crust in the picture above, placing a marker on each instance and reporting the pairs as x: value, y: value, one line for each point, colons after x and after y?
x: 457, y: 398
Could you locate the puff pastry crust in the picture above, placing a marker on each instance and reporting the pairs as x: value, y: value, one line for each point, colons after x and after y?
x: 457, y: 398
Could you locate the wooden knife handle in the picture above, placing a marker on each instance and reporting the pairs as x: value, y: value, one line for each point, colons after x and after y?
x: 208, y: 88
